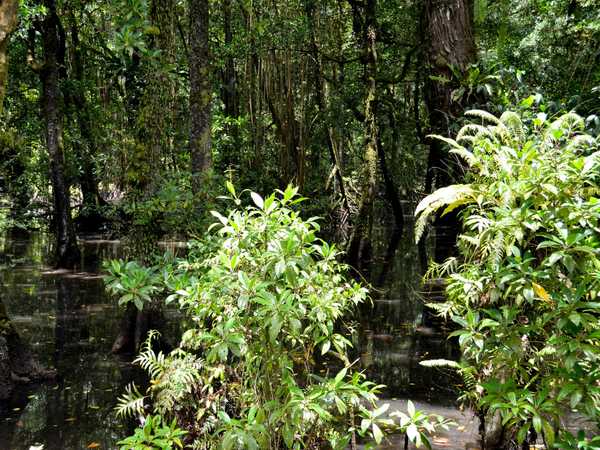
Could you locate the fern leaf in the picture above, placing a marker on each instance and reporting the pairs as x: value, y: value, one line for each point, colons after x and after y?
x: 569, y: 122
x: 449, y: 196
x: 513, y: 123
x: 472, y: 130
x: 131, y: 402
x: 466, y: 155
x: 483, y: 115
x: 440, y: 363
x: 449, y: 141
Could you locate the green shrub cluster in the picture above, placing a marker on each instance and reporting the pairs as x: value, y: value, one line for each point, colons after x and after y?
x: 524, y: 291
x: 265, y: 363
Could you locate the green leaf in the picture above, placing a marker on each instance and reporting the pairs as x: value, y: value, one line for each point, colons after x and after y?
x: 139, y: 304
x: 412, y: 432
x: 275, y: 328
x: 230, y: 188
x: 537, y: 424
x: 377, y: 433
x: 257, y: 199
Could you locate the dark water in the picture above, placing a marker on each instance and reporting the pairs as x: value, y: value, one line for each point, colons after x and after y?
x: 71, y: 323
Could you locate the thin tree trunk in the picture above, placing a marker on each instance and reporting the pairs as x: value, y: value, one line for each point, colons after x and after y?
x: 360, y: 244
x: 67, y: 252
x: 89, y: 219
x: 391, y: 192
x: 320, y: 100
x: 200, y: 91
x: 230, y: 97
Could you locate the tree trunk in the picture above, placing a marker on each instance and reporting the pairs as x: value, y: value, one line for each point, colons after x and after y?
x: 360, y: 245
x: 230, y: 97
x: 321, y: 105
x: 230, y: 153
x: 17, y: 364
x: 449, y: 43
x: 67, y: 252
x: 8, y: 23
x: 200, y: 91
x: 89, y: 218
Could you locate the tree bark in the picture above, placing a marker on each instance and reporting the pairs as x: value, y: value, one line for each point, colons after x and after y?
x: 230, y: 97
x: 8, y: 23
x: 450, y: 44
x: 200, y: 91
x: 67, y: 252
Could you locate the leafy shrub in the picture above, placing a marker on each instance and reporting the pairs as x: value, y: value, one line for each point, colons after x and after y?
x: 524, y: 291
x: 266, y: 365
x: 131, y: 282
x: 154, y: 434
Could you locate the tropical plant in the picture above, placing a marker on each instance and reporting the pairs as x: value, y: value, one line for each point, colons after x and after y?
x: 131, y: 282
x: 154, y: 434
x: 265, y: 364
x: 524, y: 289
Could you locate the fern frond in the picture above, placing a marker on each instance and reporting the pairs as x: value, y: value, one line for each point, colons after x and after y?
x: 180, y: 377
x: 514, y: 124
x: 465, y: 154
x: 131, y: 402
x: 440, y: 363
x: 471, y: 130
x: 569, y: 122
x: 483, y: 115
x: 581, y: 141
x: 451, y: 142
x: 450, y: 196
x: 442, y: 309
x: 441, y: 270
x: 469, y: 377
x: 150, y: 361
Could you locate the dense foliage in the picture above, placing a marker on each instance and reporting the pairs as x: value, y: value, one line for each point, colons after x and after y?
x: 127, y: 119
x: 524, y: 290
x: 265, y: 361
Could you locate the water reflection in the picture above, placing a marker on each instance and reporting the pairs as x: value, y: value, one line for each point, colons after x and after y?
x: 69, y: 322
x: 398, y: 331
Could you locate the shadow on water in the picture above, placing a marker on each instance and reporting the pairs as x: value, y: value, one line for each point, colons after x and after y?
x: 70, y: 323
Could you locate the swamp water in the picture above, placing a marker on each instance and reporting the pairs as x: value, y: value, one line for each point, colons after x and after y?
x: 71, y: 323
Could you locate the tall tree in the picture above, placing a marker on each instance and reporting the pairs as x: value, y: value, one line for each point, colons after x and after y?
x: 450, y: 44
x: 8, y: 22
x: 200, y: 91
x: 360, y: 243
x: 450, y: 49
x: 89, y: 218
x: 50, y: 71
